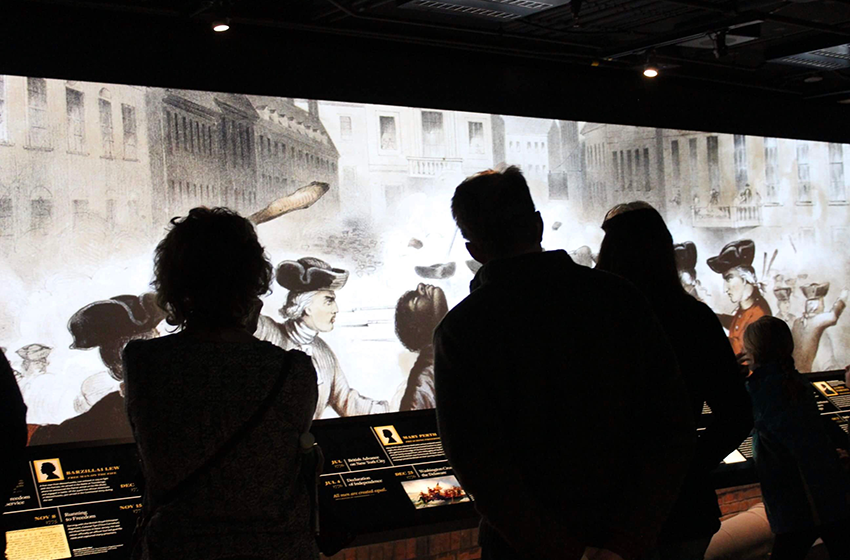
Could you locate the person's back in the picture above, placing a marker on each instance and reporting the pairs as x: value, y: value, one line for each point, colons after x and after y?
x: 217, y: 414
x: 805, y: 489
x: 638, y: 247
x: 185, y: 397
x: 559, y: 406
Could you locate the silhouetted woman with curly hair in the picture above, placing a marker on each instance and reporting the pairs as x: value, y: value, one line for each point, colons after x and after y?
x: 214, y: 488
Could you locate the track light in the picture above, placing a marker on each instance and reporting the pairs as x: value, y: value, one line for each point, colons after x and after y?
x: 650, y: 69
x: 221, y: 25
x: 720, y: 47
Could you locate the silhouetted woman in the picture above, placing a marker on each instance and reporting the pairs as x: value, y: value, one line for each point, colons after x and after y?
x: 212, y: 407
x: 805, y: 489
x: 638, y: 246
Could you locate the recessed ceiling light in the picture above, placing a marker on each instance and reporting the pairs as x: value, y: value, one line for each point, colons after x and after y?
x: 220, y: 26
x: 813, y: 79
x: 650, y: 71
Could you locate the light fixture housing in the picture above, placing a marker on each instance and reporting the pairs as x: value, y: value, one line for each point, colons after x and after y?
x: 221, y: 25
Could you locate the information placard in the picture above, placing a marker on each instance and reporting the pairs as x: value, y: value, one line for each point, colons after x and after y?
x: 74, y: 502
x: 386, y: 472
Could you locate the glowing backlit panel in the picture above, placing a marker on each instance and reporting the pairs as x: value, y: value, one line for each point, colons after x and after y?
x: 91, y: 173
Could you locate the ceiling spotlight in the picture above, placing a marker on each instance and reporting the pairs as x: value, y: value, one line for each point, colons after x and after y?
x: 650, y: 70
x: 220, y: 26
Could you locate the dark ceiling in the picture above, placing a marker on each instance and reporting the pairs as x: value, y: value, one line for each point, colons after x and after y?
x: 782, y: 67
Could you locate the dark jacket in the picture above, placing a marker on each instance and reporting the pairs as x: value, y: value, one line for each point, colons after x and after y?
x: 185, y: 398
x: 13, y: 437
x: 802, y: 481
x: 712, y: 376
x: 561, y: 409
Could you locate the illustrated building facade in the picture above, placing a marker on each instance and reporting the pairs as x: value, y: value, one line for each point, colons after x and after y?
x: 405, y: 151
x: 232, y: 150
x: 73, y: 160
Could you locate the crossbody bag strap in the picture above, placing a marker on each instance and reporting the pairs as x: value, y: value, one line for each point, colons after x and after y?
x: 227, y: 446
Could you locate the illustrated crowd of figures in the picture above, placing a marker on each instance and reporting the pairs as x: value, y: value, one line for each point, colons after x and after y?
x: 310, y: 311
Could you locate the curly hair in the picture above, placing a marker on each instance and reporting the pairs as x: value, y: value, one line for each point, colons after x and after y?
x: 414, y: 330
x: 210, y: 268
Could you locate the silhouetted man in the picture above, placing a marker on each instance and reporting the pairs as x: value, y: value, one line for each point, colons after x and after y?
x: 559, y: 401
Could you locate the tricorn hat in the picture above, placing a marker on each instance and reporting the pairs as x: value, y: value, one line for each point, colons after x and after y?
x: 438, y: 271
x: 686, y: 255
x: 34, y: 352
x: 737, y: 253
x: 782, y: 293
x: 815, y: 291
x: 309, y: 274
x: 117, y: 318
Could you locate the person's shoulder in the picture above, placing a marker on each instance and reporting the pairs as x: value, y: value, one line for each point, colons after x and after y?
x: 467, y: 311
x: 142, y: 347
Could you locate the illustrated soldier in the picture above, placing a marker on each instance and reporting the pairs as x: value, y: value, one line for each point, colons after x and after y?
x: 783, y: 302
x: 809, y: 330
x: 42, y: 390
x: 417, y: 314
x: 310, y: 310
x: 735, y: 264
x: 107, y: 325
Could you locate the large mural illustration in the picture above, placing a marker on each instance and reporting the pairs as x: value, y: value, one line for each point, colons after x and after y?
x: 351, y: 202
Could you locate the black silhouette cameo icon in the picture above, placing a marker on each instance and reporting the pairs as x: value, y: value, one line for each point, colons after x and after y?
x: 49, y: 470
x: 389, y: 435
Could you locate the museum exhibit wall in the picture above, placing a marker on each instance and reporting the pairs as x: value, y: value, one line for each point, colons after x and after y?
x: 90, y: 174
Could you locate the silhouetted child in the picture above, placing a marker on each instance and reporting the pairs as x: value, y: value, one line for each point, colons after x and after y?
x: 806, y: 491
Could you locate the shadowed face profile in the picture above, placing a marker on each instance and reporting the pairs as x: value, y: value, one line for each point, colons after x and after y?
x: 417, y: 314
x: 389, y: 435
x: 320, y: 314
x: 49, y: 470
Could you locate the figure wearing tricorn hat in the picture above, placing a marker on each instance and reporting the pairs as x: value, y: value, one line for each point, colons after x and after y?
x: 735, y: 263
x: 106, y: 325
x: 809, y: 330
x: 783, y: 302
x: 310, y: 310
x: 686, y: 264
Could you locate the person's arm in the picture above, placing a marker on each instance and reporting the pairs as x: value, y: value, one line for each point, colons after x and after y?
x: 472, y: 435
x: 822, y: 321
x: 345, y: 400
x: 725, y: 394
x: 664, y: 434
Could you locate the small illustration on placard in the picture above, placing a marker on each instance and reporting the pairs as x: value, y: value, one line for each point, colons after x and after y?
x: 432, y: 492
x: 48, y: 470
x: 824, y: 388
x: 388, y: 435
